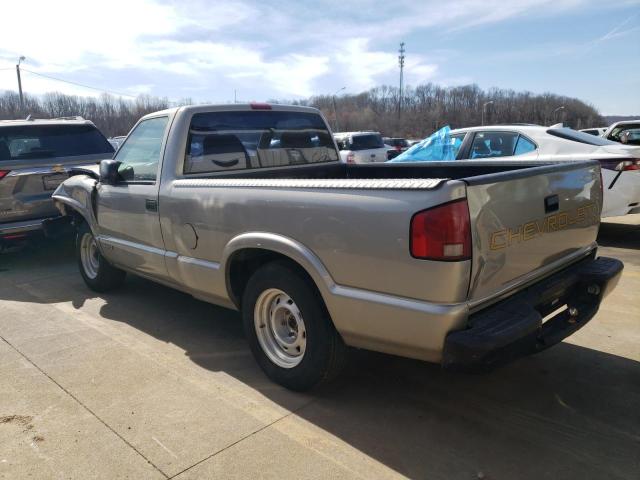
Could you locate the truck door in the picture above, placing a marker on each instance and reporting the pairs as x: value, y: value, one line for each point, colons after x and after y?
x: 128, y: 219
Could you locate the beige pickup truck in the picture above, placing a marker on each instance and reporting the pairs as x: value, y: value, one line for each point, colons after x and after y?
x: 468, y: 264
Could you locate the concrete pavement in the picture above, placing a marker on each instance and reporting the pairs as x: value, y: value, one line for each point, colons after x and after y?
x: 147, y: 382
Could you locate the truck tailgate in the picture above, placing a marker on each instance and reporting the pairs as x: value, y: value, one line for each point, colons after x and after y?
x: 524, y: 222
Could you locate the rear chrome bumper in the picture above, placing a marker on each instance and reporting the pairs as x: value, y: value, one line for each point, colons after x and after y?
x: 20, y: 228
x: 514, y: 327
x: 50, y: 227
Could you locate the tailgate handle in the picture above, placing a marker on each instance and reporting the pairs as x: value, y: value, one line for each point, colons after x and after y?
x: 551, y: 204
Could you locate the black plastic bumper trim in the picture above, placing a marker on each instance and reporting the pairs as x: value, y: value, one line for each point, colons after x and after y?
x: 514, y: 327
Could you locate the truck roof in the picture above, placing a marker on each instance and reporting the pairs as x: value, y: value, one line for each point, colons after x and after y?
x: 46, y: 121
x: 231, y: 107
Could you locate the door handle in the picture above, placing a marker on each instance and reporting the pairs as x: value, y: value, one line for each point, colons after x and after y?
x: 151, y: 205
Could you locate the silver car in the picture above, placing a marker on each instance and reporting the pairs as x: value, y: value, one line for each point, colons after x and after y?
x: 35, y: 157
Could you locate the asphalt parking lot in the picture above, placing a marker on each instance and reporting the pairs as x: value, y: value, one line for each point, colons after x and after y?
x: 147, y: 382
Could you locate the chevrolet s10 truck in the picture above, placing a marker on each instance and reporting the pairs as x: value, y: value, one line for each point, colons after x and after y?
x: 468, y: 264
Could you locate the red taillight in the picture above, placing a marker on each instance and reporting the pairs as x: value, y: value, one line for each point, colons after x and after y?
x: 620, y: 165
x: 442, y: 233
x: 351, y: 157
x: 4, y: 173
x: 259, y: 106
x: 15, y: 236
x: 633, y: 166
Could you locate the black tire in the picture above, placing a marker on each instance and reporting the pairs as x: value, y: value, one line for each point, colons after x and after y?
x: 325, y: 353
x: 106, y: 277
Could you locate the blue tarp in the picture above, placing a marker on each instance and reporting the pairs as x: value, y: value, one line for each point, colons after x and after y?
x: 438, y: 146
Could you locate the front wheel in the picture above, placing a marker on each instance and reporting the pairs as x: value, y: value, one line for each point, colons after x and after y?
x: 289, y: 329
x: 96, y: 271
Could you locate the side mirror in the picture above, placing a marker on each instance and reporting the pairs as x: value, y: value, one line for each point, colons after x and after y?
x: 109, y: 172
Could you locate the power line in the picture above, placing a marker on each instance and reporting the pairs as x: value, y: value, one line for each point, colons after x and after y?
x: 113, y: 92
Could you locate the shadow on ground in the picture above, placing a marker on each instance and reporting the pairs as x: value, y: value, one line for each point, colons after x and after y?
x: 570, y: 412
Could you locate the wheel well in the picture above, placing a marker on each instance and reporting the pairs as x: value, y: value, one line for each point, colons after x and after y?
x: 76, y: 217
x: 244, y: 263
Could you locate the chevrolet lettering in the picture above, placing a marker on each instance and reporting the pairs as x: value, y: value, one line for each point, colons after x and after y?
x: 558, y: 221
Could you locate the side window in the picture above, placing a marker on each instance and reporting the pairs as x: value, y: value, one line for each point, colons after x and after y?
x: 493, y: 144
x: 456, y: 143
x: 524, y: 146
x: 140, y: 153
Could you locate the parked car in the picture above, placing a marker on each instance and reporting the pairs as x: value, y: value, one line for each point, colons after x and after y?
x: 35, y: 157
x: 361, y: 147
x: 395, y: 146
x: 615, y: 131
x: 456, y: 263
x: 598, y: 132
x: 620, y: 163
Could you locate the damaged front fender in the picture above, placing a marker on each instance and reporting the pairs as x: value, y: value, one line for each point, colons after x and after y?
x: 77, y: 194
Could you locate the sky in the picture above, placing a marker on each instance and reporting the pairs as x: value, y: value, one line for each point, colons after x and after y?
x: 291, y: 49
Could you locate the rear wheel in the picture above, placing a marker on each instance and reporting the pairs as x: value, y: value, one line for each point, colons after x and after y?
x: 289, y: 329
x: 97, y: 273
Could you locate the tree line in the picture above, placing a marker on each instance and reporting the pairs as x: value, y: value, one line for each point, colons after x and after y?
x: 429, y: 107
x: 112, y: 115
x: 423, y: 109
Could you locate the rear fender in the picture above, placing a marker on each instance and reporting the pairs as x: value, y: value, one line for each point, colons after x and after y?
x: 284, y: 246
x: 77, y: 194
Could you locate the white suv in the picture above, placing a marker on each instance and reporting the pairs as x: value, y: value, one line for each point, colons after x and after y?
x: 361, y: 147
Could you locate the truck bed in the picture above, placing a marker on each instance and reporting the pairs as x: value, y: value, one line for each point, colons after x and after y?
x: 461, y: 169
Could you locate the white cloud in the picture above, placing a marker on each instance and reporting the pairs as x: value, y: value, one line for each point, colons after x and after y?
x: 289, y: 49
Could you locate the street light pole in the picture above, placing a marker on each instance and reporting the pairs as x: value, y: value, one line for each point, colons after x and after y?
x: 20, y: 84
x: 335, y: 109
x: 484, y: 106
x: 561, y: 107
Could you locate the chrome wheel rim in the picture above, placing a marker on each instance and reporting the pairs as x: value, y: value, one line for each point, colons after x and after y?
x: 89, y: 255
x: 280, y: 328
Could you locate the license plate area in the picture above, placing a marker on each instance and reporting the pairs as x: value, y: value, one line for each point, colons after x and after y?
x: 51, y: 182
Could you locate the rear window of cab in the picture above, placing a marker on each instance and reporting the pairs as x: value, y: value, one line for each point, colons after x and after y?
x: 226, y: 141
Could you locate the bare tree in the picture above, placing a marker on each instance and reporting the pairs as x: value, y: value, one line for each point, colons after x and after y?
x: 426, y: 108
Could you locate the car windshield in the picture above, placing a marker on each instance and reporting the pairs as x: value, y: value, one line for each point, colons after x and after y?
x: 47, y: 141
x: 439, y: 146
x: 366, y: 142
x: 223, y: 141
x: 581, y: 137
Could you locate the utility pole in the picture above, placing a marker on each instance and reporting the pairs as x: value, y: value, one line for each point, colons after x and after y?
x: 20, y: 84
x: 335, y: 110
x: 401, y: 64
x: 484, y: 107
x: 235, y: 96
